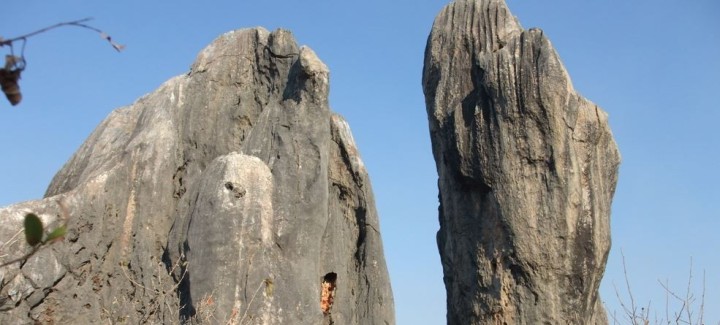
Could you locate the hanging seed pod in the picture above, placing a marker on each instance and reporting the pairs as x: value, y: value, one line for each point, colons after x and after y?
x: 8, y: 81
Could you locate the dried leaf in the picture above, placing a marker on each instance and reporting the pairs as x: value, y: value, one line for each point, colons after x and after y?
x: 9, y: 85
x: 10, y: 61
x: 33, y: 229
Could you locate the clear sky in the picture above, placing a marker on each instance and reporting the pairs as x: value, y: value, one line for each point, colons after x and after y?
x: 652, y: 65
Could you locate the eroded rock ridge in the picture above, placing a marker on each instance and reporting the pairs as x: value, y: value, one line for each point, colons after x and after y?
x: 230, y: 194
x: 527, y: 171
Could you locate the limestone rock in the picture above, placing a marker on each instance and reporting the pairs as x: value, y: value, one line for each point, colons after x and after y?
x: 527, y: 171
x: 231, y: 193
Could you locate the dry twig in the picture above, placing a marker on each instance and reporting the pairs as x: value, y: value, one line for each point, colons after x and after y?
x: 15, y: 64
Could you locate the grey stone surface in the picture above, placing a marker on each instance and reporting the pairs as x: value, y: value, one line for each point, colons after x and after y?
x: 527, y: 171
x: 232, y: 190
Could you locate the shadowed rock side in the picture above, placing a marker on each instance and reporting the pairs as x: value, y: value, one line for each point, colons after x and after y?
x: 527, y: 170
x: 231, y: 191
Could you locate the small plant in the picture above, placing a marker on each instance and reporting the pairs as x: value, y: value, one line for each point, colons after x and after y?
x: 36, y: 235
x: 164, y: 300
x: 205, y: 309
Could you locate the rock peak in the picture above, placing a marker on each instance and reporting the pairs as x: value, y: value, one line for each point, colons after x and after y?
x: 527, y: 170
x: 230, y: 193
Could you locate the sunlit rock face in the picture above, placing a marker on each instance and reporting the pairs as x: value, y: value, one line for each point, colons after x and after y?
x: 527, y: 171
x: 231, y: 194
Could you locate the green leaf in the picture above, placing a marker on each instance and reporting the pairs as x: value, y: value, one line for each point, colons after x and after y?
x: 57, y: 233
x: 33, y: 229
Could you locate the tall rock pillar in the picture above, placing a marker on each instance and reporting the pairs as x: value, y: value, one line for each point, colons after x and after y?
x: 527, y: 171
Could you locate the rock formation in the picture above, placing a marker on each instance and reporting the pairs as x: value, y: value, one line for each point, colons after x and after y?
x: 231, y: 194
x: 527, y: 170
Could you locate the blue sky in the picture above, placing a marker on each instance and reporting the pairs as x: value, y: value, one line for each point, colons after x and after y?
x: 652, y: 65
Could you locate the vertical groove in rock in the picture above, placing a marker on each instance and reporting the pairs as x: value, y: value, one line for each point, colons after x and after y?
x: 527, y: 170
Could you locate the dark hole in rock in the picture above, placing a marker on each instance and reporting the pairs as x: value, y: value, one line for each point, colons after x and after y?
x: 328, y: 292
x: 238, y: 191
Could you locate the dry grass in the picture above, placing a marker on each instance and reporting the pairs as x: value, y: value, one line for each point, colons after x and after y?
x: 691, y: 310
x: 205, y: 310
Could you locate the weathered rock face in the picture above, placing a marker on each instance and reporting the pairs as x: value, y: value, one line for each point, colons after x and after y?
x: 527, y: 170
x: 232, y: 191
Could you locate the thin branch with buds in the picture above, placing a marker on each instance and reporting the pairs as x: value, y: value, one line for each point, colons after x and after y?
x: 77, y: 23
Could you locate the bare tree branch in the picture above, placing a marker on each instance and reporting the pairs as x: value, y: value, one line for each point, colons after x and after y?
x: 77, y: 23
x: 14, y: 65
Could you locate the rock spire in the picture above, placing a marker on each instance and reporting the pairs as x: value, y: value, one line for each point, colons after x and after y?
x: 527, y: 171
